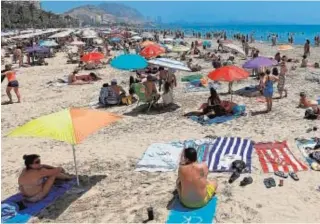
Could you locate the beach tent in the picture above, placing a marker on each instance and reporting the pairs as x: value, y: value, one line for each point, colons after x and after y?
x: 70, y: 125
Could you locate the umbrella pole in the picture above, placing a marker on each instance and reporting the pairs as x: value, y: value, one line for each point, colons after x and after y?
x: 75, y: 164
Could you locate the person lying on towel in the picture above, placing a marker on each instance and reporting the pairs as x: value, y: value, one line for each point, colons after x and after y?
x: 305, y: 103
x: 74, y: 79
x: 36, y: 180
x: 194, y: 190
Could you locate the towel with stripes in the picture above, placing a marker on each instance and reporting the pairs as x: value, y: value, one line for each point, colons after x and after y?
x: 224, y: 150
x: 278, y: 157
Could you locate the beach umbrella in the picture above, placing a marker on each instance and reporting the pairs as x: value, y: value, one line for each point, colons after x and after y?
x: 147, y: 43
x: 169, y: 63
x: 259, y: 62
x: 129, y: 62
x: 76, y: 43
x: 285, y: 47
x: 234, y: 47
x: 37, y: 49
x: 48, y: 43
x: 93, y: 56
x: 136, y: 38
x: 71, y: 125
x: 229, y: 73
x: 180, y: 48
x: 167, y: 40
x: 152, y: 51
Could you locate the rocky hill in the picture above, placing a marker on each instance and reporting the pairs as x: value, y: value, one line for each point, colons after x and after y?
x: 106, y: 13
x: 26, y: 15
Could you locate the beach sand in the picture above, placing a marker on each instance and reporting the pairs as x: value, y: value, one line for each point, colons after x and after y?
x: 107, y: 159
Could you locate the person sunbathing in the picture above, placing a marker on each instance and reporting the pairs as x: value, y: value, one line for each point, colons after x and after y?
x: 305, y: 103
x: 214, y: 104
x: 75, y: 79
x: 36, y: 180
x: 194, y: 190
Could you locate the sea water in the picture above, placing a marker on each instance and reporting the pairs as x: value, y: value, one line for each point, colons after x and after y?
x: 260, y: 32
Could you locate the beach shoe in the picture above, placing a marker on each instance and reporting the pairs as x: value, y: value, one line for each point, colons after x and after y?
x: 294, y: 176
x: 238, y: 166
x: 281, y: 174
x: 234, y: 176
x: 267, y: 183
x: 246, y: 181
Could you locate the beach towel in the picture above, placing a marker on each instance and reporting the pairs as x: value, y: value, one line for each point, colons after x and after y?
x: 193, y: 87
x: 238, y: 111
x: 160, y: 157
x: 276, y: 156
x: 304, y: 145
x: 225, y: 150
x: 10, y: 212
x: 180, y: 214
x: 201, y: 146
x: 190, y: 78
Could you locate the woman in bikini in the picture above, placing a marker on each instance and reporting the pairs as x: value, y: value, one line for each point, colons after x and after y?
x: 36, y: 180
x: 268, y: 88
x: 12, y: 83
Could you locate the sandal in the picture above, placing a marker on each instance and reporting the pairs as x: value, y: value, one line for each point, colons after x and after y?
x: 234, y: 176
x: 266, y: 182
x: 281, y: 174
x: 246, y: 181
x: 272, y: 182
x: 294, y: 176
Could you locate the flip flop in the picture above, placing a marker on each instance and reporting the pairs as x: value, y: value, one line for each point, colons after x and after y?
x: 246, y: 181
x: 234, y: 176
x: 281, y: 174
x: 266, y: 182
x: 294, y: 176
x: 272, y: 182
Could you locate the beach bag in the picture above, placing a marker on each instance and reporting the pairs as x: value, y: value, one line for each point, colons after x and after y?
x: 127, y: 100
x: 310, y: 114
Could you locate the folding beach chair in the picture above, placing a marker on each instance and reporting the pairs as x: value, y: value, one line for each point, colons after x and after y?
x: 139, y: 90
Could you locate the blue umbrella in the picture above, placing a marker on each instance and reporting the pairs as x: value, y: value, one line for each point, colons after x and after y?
x: 36, y: 49
x: 206, y: 43
x: 115, y: 39
x: 48, y: 43
x: 129, y: 62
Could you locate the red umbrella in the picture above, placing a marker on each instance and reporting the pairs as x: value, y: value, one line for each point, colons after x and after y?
x: 228, y: 74
x: 93, y: 56
x: 152, y: 51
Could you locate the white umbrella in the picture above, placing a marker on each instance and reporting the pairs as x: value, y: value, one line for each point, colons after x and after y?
x: 169, y: 63
x: 234, y: 48
x: 167, y: 40
x: 75, y: 43
x: 136, y: 38
x: 180, y: 48
x: 147, y: 35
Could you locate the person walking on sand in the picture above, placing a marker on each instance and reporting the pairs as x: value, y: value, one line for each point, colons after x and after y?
x: 12, y: 83
x: 268, y: 88
x: 307, y: 48
x: 282, y: 79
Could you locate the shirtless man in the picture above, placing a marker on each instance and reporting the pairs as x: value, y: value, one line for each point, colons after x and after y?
x: 194, y: 190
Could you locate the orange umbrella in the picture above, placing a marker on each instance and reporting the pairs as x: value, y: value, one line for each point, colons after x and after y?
x: 93, y: 56
x: 152, y: 51
x: 228, y: 74
x: 147, y: 43
x: 70, y: 125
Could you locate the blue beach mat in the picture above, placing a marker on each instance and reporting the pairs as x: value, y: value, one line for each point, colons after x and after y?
x: 180, y: 214
x: 238, y: 111
x: 10, y: 212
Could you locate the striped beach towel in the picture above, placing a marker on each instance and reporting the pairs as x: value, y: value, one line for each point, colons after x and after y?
x: 225, y: 150
x: 277, y: 157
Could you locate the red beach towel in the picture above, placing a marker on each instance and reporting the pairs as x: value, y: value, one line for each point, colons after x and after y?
x: 277, y: 157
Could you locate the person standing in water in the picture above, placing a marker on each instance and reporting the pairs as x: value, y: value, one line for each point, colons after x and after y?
x: 12, y: 83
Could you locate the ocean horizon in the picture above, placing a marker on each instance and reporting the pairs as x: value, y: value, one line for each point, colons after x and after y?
x: 300, y: 32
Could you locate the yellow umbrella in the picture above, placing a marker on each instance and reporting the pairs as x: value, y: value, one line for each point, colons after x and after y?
x: 180, y: 48
x: 285, y: 47
x: 70, y: 125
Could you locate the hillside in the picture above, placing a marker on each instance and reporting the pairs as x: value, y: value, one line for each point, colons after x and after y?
x: 106, y: 13
x: 17, y: 15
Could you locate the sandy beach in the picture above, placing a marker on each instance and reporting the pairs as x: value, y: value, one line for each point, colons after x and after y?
x: 107, y: 159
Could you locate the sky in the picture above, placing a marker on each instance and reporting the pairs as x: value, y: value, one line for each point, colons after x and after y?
x: 213, y: 12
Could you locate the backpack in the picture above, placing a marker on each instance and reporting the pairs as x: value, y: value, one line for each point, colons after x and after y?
x: 310, y: 114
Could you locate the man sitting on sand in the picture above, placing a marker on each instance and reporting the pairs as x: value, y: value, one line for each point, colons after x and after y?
x: 36, y: 180
x: 194, y: 190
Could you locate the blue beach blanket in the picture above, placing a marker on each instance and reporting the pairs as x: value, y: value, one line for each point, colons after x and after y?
x: 194, y: 86
x: 10, y: 212
x: 225, y: 150
x: 180, y: 214
x: 304, y: 145
x: 238, y: 111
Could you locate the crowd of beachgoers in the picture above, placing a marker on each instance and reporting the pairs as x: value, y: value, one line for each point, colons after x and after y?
x: 167, y: 87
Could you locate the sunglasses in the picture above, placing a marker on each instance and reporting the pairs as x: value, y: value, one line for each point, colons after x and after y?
x: 36, y: 162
